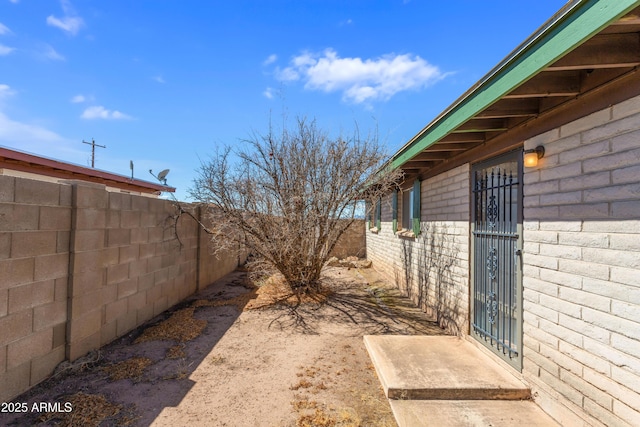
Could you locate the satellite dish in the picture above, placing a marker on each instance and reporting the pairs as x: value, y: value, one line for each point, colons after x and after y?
x: 162, y: 175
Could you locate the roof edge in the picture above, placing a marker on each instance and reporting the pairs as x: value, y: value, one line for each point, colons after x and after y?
x: 574, y: 23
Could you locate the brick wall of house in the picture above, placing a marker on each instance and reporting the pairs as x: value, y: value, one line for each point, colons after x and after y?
x: 80, y: 266
x: 582, y: 269
x: 431, y: 268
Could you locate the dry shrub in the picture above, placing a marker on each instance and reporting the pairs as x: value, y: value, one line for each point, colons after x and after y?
x: 319, y: 418
x: 88, y: 410
x: 301, y: 384
x: 176, y: 352
x: 181, y: 327
x: 130, y: 368
x: 300, y: 404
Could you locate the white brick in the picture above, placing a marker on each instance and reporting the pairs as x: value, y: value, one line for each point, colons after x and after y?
x: 561, y: 225
x: 572, y: 197
x: 585, y: 211
x: 612, y: 323
x: 625, y: 210
x: 581, y: 182
x: 581, y: 328
x: 540, y: 261
x: 611, y: 129
x: 605, y: 416
x: 587, y: 358
x: 613, y: 193
x: 598, y: 118
x: 546, y: 309
x: 626, y: 311
x: 611, y: 387
x: 628, y: 413
x: 626, y: 108
x: 561, y: 278
x: 625, y: 377
x: 586, y: 151
x: 611, y: 257
x: 627, y: 141
x: 540, y: 236
x: 586, y: 299
x: 616, y: 291
x: 531, y: 225
x: 561, y: 251
x: 625, y: 242
x: 588, y: 269
x: 586, y: 389
x: 541, y: 188
x: 625, y: 276
x: 626, y: 175
x: 561, y: 332
x: 540, y: 335
x: 542, y: 139
x: 584, y: 239
x: 612, y: 161
x: 562, y: 360
x: 626, y: 345
x: 560, y: 172
x: 617, y: 226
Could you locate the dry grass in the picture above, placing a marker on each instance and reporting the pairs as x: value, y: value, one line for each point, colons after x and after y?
x: 130, y: 368
x: 88, y: 410
x: 176, y: 352
x: 181, y: 327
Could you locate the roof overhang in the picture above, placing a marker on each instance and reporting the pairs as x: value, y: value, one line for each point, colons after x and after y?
x: 586, y: 46
x: 30, y: 163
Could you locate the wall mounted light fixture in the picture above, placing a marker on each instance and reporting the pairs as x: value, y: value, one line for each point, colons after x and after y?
x: 531, y: 156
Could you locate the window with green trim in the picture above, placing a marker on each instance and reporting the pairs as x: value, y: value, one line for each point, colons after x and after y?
x: 410, y: 221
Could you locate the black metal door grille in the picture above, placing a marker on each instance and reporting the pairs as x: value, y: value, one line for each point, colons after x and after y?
x: 496, y: 296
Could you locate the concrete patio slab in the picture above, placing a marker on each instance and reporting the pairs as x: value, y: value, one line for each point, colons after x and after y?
x: 472, y: 413
x: 441, y: 368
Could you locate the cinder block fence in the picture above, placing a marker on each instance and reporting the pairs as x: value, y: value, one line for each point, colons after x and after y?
x: 81, y: 266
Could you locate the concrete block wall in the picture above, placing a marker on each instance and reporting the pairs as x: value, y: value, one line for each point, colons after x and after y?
x: 80, y: 266
x: 582, y: 269
x: 35, y: 225
x: 130, y: 261
x: 352, y: 242
x: 431, y: 268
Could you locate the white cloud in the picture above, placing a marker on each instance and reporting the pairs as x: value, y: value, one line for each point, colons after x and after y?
x: 4, y: 29
x: 14, y: 1
x: 359, y: 80
x: 12, y: 131
x: 159, y: 79
x: 5, y: 91
x: 5, y: 50
x: 268, y: 93
x: 99, y: 112
x: 78, y: 99
x: 51, y: 53
x: 70, y: 22
x: 270, y: 59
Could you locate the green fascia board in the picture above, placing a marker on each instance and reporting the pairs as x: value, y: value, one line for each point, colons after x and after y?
x: 561, y: 36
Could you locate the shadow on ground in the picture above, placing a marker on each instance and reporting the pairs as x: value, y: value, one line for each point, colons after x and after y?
x: 158, y: 376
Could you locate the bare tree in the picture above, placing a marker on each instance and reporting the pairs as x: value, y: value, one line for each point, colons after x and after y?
x: 289, y: 196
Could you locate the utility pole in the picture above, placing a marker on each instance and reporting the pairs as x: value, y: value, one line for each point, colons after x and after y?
x: 93, y: 150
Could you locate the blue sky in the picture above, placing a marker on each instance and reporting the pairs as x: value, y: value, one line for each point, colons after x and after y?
x: 165, y: 82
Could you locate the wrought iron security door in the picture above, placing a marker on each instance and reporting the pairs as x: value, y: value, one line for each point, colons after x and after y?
x: 496, y: 260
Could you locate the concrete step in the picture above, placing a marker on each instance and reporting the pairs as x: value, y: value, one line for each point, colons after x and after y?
x: 469, y: 413
x: 439, y: 368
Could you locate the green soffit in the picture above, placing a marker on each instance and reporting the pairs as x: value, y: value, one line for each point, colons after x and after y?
x: 575, y: 23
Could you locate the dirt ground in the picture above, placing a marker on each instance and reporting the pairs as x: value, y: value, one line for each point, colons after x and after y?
x: 237, y: 354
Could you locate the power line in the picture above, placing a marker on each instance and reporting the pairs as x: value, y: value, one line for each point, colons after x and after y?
x: 93, y: 150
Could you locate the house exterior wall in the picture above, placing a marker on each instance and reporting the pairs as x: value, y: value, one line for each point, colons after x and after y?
x: 81, y: 266
x: 581, y: 266
x: 431, y: 268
